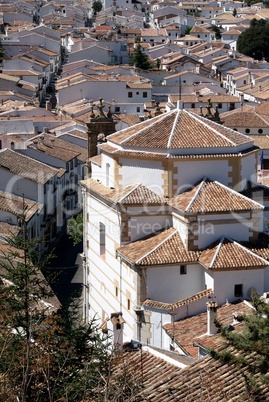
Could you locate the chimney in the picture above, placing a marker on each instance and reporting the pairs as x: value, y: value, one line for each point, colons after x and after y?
x: 212, y: 307
x: 48, y: 106
x: 236, y: 316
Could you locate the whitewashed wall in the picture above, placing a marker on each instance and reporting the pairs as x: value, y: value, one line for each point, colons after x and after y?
x: 144, y: 225
x: 148, y: 173
x: 208, y: 232
x: 166, y: 284
x: 104, y: 272
x: 224, y: 283
x: 189, y: 173
x: 159, y: 338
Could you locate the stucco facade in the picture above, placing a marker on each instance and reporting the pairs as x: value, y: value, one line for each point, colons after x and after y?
x: 163, y: 217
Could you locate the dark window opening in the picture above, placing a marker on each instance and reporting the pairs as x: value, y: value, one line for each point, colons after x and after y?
x: 238, y: 290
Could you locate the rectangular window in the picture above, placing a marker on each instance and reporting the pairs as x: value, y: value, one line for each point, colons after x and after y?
x: 193, y: 105
x: 117, y: 109
x: 238, y: 290
x: 138, y: 109
x: 102, y: 239
x: 118, y: 326
x: 220, y: 105
x: 116, y: 291
x: 128, y: 304
x: 145, y: 94
x: 88, y: 217
x: 130, y: 94
x: 232, y: 106
x: 183, y: 270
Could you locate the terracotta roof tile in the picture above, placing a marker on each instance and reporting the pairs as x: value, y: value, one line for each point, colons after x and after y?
x: 130, y: 195
x: 142, y: 195
x: 159, y: 249
x: 51, y: 149
x: 245, y: 119
x: 205, y: 380
x: 9, y: 231
x: 189, y: 329
x: 17, y: 205
x: 108, y: 148
x: 180, y: 303
x: 179, y: 129
x: 208, y: 196
x: 228, y: 254
x: 26, y: 167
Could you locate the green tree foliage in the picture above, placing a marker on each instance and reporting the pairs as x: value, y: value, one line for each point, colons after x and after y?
x: 188, y: 30
x: 75, y: 228
x: 2, y: 53
x: 250, y: 2
x: 158, y: 63
x: 45, y: 354
x: 139, y: 58
x: 217, y: 31
x: 97, y: 6
x: 249, y: 349
x: 254, y: 42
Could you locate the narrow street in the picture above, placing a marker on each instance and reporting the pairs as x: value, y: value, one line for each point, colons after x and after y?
x: 67, y: 264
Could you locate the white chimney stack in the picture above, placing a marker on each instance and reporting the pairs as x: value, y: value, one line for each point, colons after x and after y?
x: 212, y: 307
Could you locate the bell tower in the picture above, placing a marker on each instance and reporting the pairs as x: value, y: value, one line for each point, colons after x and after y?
x: 98, y: 124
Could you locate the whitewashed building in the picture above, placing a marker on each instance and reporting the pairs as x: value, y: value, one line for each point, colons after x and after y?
x: 165, y: 221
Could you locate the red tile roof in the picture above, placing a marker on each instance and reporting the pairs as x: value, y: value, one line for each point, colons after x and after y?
x: 159, y: 249
x: 26, y: 167
x: 193, y: 328
x: 208, y: 196
x: 228, y: 254
x: 180, y: 303
x: 179, y: 129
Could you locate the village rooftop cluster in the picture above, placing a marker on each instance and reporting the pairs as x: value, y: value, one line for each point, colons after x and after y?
x: 168, y: 165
